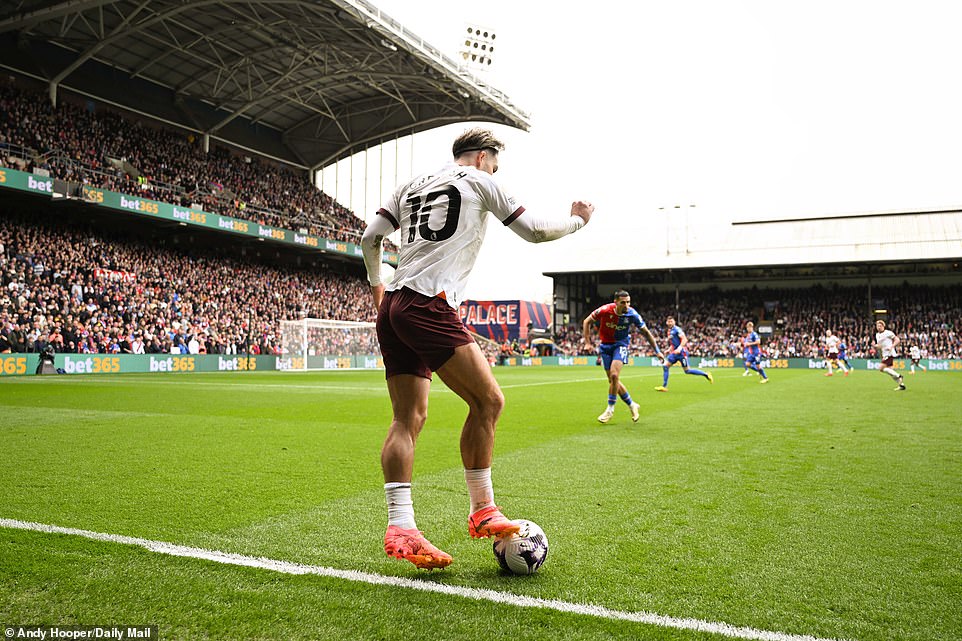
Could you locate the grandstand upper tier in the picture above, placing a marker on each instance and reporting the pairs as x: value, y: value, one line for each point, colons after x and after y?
x: 81, y: 143
x: 303, y: 82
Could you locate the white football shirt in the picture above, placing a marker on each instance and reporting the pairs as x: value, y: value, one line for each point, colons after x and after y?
x: 886, y: 339
x: 831, y: 343
x: 442, y: 219
x: 915, y: 353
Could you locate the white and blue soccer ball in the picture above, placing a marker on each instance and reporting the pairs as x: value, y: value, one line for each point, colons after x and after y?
x: 524, y: 552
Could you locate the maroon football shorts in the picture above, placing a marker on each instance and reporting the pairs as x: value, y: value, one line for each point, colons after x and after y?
x: 888, y: 361
x: 417, y: 333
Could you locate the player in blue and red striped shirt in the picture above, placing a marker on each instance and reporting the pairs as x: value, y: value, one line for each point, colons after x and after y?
x: 614, y: 322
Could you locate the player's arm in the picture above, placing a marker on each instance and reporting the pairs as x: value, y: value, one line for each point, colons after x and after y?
x: 681, y: 345
x: 895, y: 341
x: 586, y: 330
x: 372, y: 246
x: 539, y: 230
x: 651, y: 341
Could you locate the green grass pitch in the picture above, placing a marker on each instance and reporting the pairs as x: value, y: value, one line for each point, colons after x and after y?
x: 808, y: 506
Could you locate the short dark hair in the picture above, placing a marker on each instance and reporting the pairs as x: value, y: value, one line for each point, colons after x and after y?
x: 618, y: 294
x: 475, y: 140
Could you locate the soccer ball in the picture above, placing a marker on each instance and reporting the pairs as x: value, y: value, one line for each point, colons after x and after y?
x: 524, y: 552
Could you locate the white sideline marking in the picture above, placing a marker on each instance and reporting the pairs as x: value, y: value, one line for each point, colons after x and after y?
x: 478, y: 594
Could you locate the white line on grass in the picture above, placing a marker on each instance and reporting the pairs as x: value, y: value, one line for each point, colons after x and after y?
x: 478, y: 594
x: 565, y: 381
x: 306, y: 387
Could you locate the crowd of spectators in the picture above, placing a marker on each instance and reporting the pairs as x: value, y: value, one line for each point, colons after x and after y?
x: 94, y: 291
x: 92, y: 145
x: 337, y: 341
x: 714, y: 320
x: 83, y: 291
x: 91, y: 291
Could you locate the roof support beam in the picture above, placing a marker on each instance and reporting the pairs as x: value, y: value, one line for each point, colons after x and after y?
x: 92, y: 51
x: 266, y: 94
x: 260, y: 72
x: 27, y: 20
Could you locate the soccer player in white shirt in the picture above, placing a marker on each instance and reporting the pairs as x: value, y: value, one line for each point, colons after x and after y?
x: 831, y: 351
x: 887, y: 341
x: 915, y: 354
x: 831, y: 347
x: 443, y: 217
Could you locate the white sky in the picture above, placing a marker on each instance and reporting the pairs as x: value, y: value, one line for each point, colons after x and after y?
x: 741, y: 107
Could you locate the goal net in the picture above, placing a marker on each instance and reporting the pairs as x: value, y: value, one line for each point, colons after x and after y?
x: 315, y: 343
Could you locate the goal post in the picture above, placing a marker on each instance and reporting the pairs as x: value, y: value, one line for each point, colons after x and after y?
x: 317, y: 344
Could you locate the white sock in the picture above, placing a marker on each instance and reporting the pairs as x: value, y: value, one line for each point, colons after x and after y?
x: 400, y: 506
x: 480, y: 488
x: 891, y: 372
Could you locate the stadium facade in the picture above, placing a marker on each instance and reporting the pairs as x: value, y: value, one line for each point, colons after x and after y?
x: 861, y: 252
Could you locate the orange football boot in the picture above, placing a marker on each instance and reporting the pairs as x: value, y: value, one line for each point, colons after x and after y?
x: 410, y: 544
x: 489, y: 521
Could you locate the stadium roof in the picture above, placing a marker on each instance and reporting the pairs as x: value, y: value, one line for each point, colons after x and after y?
x: 672, y: 242
x: 304, y: 81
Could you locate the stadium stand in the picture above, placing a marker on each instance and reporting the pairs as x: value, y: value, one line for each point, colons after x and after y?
x: 83, y: 142
x: 713, y: 319
x: 89, y: 293
x: 221, y: 123
x: 87, y: 290
x: 102, y: 148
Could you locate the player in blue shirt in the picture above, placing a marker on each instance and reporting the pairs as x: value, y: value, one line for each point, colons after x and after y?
x: 842, y: 348
x: 752, y: 343
x: 745, y: 353
x: 614, y: 322
x: 678, y: 353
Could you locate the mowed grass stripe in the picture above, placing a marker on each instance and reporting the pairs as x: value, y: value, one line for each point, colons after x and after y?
x: 480, y: 594
x: 808, y: 504
x: 157, y: 380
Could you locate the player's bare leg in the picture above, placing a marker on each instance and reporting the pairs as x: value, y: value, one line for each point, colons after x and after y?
x: 468, y: 375
x: 615, y: 387
x: 409, y: 402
